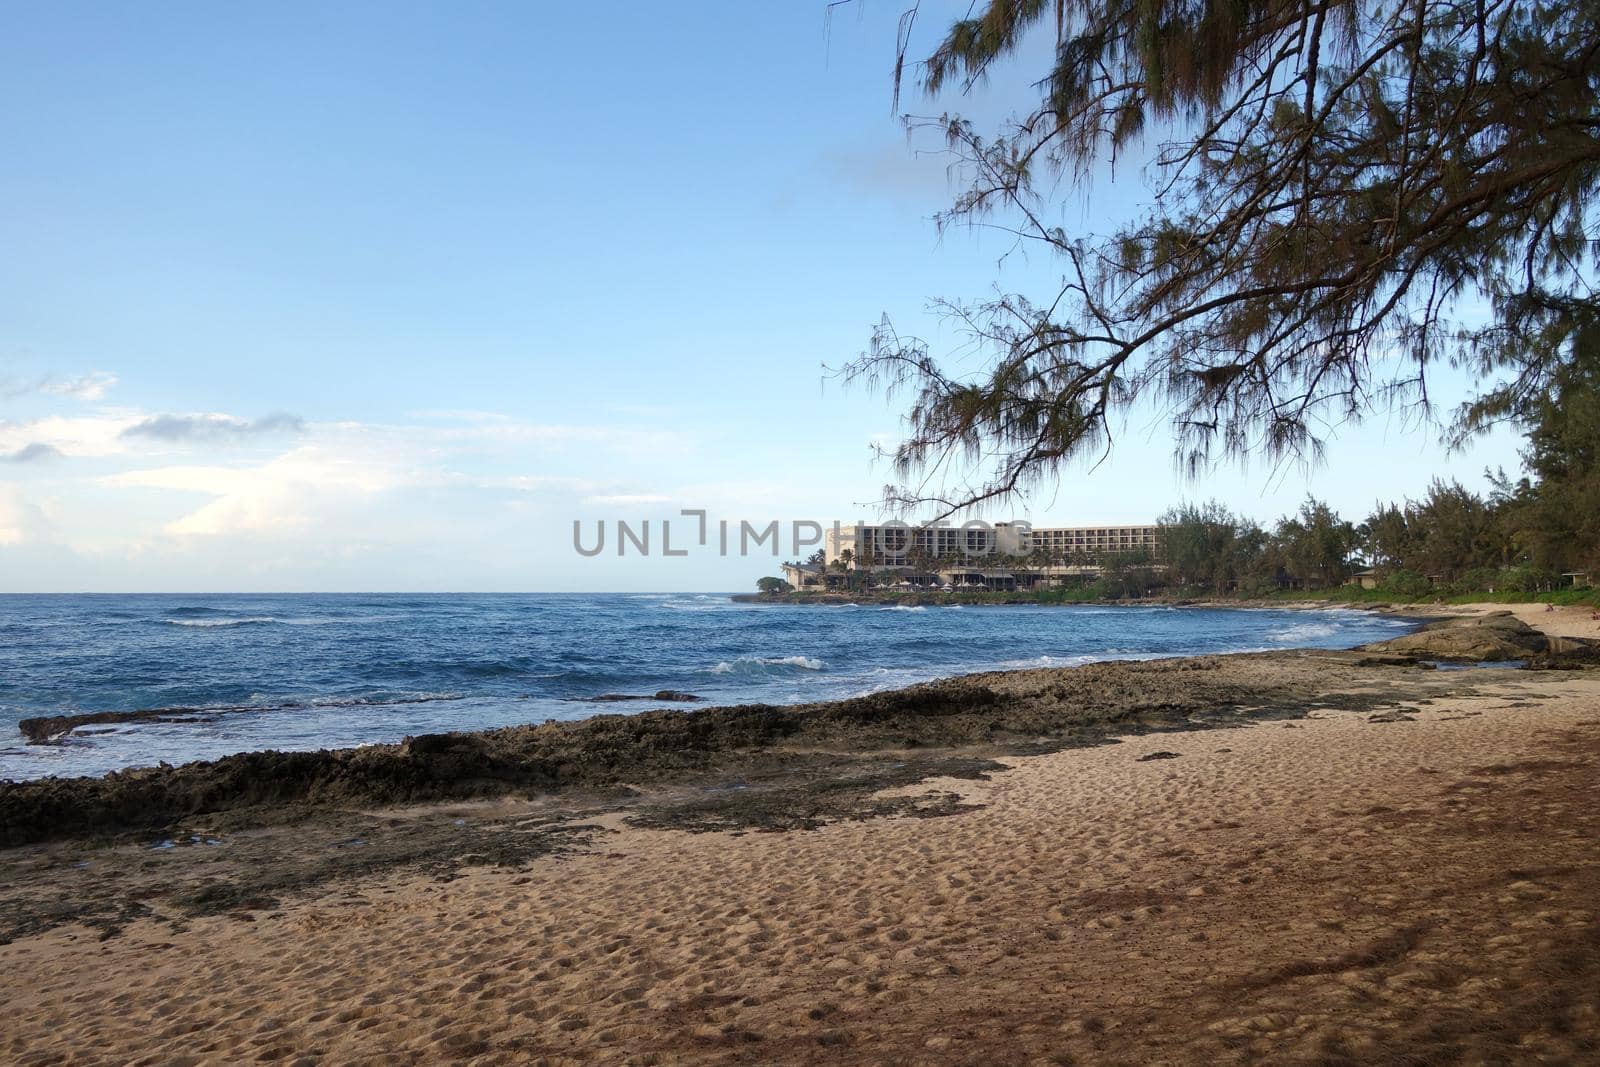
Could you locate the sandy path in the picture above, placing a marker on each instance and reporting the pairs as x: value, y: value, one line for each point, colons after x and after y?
x: 1331, y: 890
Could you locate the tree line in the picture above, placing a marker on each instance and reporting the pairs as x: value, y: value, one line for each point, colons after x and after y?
x: 1520, y: 536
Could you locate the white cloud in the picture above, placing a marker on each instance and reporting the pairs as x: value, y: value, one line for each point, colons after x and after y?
x: 36, y: 452
x: 21, y: 520
x: 123, y: 432
x: 71, y: 435
x: 212, y: 427
x: 284, y: 494
x: 171, y: 499
x: 92, y: 386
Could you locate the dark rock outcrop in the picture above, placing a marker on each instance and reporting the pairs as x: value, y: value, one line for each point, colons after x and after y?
x: 1031, y: 710
x: 44, y: 729
x: 1497, y: 636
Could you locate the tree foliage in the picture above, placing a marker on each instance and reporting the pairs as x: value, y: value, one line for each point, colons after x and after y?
x: 1315, y: 545
x: 1453, y: 531
x: 1521, y: 537
x: 1206, y: 545
x: 1554, y: 511
x: 1332, y: 183
x: 1384, y: 537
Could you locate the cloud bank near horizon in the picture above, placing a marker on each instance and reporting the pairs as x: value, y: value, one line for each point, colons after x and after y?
x: 181, y: 428
x: 115, y: 497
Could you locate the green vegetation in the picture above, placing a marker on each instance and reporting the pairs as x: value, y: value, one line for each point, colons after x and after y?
x: 771, y: 585
x: 1355, y: 595
x: 1344, y: 197
x: 1453, y: 544
x: 1520, y: 542
x: 1516, y: 543
x: 1101, y: 593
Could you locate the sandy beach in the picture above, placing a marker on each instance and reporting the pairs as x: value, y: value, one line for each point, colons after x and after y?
x: 1405, y: 872
x: 833, y: 534
x: 1554, y: 620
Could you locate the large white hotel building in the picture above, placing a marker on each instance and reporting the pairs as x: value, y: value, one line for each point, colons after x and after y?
x: 999, y: 555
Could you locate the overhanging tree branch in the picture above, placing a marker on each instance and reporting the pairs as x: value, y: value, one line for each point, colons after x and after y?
x: 1336, y: 176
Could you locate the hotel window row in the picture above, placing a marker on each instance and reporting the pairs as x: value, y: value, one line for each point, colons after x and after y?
x: 871, y: 544
x: 1071, y: 540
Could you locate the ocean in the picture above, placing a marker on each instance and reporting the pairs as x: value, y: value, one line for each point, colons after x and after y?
x: 310, y: 671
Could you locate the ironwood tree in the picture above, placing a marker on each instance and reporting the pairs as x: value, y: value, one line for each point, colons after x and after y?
x: 1344, y: 195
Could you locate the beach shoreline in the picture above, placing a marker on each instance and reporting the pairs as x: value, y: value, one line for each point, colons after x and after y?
x: 1220, y: 857
x: 606, y: 752
x: 998, y: 711
x: 1422, y: 610
x: 1397, y: 864
x: 182, y: 681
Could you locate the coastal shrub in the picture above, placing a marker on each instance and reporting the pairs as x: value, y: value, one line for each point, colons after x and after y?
x: 1519, y: 581
x: 1080, y: 594
x: 1255, y: 585
x: 1528, y: 578
x: 1481, y: 579
x: 1354, y: 594
x: 1408, y: 584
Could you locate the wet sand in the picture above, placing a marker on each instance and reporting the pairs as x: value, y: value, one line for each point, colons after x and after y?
x: 1404, y: 873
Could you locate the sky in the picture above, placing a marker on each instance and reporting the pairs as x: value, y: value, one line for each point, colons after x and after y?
x: 363, y: 296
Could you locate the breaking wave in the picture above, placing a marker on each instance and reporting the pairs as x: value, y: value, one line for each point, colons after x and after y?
x: 748, y: 663
x: 1305, y: 631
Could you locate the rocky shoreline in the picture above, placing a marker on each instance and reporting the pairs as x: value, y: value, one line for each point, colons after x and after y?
x: 1497, y: 636
x: 1311, y: 826
x: 800, y: 745
x: 937, y: 598
x: 1344, y: 859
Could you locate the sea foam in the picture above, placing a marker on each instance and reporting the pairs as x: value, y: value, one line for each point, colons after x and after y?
x: 805, y: 663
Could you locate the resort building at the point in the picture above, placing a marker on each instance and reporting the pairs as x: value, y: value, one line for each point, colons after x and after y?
x: 993, y: 556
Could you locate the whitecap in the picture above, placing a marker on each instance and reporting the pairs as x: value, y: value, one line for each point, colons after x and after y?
x: 805, y: 663
x: 1046, y: 661
x: 250, y: 620
x: 1305, y: 631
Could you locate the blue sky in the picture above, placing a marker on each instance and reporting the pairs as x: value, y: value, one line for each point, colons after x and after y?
x: 384, y: 296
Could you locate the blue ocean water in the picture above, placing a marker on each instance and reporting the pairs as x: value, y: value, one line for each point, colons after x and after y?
x: 311, y: 671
